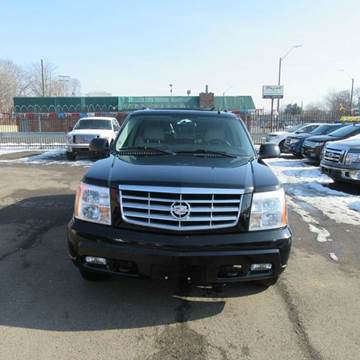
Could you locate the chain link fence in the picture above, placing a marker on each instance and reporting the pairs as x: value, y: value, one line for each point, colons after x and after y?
x: 260, y: 125
x: 48, y: 130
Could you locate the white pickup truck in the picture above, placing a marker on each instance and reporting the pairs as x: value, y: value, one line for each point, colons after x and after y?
x: 87, y: 129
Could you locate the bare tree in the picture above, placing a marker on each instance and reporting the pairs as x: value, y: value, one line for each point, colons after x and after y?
x: 35, y: 73
x: 13, y: 82
x: 54, y: 84
x: 339, y: 101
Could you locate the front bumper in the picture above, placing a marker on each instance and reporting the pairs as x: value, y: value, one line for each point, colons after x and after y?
x: 341, y: 173
x: 206, y: 258
x: 77, y: 147
x: 312, y: 153
x: 294, y: 148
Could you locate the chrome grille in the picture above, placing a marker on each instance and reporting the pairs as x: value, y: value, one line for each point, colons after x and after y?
x: 333, y: 155
x: 157, y: 207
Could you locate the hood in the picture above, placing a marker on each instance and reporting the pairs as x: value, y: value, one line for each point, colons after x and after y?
x: 182, y: 171
x: 90, y: 132
x: 278, y: 133
x: 300, y: 136
x: 353, y: 143
x: 321, y: 138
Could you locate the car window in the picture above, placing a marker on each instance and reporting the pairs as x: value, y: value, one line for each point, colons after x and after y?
x: 186, y: 133
x: 307, y: 129
x: 345, y: 131
x: 333, y: 128
x: 93, y: 124
x: 294, y: 128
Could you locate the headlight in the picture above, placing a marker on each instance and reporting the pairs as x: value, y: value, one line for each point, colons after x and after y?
x: 92, y: 203
x: 268, y: 210
x: 69, y: 138
x: 352, y: 158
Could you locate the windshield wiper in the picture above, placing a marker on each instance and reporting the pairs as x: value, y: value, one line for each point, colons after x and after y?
x: 145, y: 148
x: 205, y: 152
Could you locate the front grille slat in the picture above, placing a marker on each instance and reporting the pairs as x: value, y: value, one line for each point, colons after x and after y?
x: 333, y: 155
x: 162, y: 207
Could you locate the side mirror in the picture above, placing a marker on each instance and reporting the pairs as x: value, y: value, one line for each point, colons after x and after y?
x: 99, y: 147
x: 268, y: 151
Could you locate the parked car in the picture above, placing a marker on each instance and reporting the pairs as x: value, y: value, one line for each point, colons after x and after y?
x: 278, y: 137
x: 183, y: 194
x: 293, y: 143
x: 341, y: 160
x: 314, y: 145
x: 86, y: 129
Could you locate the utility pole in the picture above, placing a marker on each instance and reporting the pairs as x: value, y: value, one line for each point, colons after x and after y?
x: 351, y: 89
x: 272, y: 114
x: 42, y: 78
x: 351, y: 94
x: 171, y: 90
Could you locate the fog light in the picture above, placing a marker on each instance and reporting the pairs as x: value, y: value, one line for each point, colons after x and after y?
x: 95, y: 260
x: 261, y: 267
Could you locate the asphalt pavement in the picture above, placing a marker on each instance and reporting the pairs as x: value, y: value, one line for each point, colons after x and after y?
x: 48, y: 312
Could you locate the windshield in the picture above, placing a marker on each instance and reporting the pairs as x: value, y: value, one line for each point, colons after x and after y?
x: 325, y: 129
x: 293, y: 129
x: 93, y: 124
x: 345, y: 131
x: 307, y: 129
x: 186, y: 133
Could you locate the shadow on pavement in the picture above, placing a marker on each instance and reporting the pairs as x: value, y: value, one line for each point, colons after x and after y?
x: 41, y: 289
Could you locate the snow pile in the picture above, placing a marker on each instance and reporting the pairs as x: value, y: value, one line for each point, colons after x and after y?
x: 314, y: 226
x: 308, y: 185
x: 52, y: 157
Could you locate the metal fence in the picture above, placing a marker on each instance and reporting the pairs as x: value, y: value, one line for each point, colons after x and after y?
x: 260, y: 125
x: 48, y: 131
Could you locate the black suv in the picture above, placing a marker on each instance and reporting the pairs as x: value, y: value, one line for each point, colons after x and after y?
x: 183, y: 194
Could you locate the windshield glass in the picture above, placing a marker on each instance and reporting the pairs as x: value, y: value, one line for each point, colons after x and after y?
x: 186, y: 133
x: 325, y: 129
x: 293, y: 129
x: 322, y: 129
x: 347, y: 130
x: 307, y: 129
x: 93, y: 124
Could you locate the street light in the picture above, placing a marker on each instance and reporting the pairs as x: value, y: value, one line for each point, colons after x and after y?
x: 352, y: 88
x: 171, y: 89
x: 281, y: 59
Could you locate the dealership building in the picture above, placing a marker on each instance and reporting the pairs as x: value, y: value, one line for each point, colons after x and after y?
x: 60, y: 113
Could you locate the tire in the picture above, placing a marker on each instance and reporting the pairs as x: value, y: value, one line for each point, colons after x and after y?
x: 281, y: 145
x: 92, y: 275
x: 266, y: 282
x: 70, y: 155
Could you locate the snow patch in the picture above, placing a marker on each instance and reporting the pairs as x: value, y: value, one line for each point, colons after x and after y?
x: 322, y: 234
x: 333, y: 257
x: 355, y: 206
x: 52, y: 157
x: 306, y: 183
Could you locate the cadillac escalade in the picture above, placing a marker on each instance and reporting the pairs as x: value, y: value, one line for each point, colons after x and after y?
x: 182, y: 194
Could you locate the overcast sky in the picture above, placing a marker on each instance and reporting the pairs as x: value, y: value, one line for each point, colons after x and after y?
x: 139, y: 47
